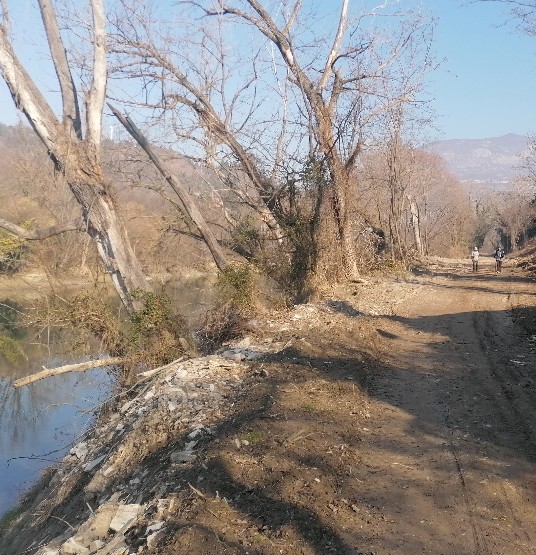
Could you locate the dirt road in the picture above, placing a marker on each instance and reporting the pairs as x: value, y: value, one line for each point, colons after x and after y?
x: 450, y: 458
x: 400, y: 419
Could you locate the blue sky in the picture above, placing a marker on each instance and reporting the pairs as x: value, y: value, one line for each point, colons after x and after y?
x: 484, y: 87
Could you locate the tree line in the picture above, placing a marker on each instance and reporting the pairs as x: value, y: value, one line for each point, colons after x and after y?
x: 293, y: 126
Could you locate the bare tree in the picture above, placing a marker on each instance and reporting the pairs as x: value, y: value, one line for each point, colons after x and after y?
x: 189, y: 207
x: 426, y: 191
x: 74, y: 147
x: 316, y: 96
x: 516, y: 213
x: 524, y: 12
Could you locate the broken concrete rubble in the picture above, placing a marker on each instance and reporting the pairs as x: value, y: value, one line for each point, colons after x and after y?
x: 184, y: 400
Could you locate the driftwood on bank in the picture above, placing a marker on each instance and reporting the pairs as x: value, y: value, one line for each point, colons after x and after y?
x: 79, y: 367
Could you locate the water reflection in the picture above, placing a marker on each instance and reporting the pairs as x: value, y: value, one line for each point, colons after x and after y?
x: 39, y: 422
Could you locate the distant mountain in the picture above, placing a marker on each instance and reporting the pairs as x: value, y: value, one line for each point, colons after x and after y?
x: 494, y: 161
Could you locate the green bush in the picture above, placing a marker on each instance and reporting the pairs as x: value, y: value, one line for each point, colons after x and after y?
x: 235, y: 286
x: 11, y: 331
x: 157, y: 333
x: 12, y: 251
x: 154, y: 336
x: 11, y: 349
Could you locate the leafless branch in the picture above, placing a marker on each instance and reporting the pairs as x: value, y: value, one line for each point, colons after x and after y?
x: 39, y: 234
x: 71, y: 112
x: 97, y: 92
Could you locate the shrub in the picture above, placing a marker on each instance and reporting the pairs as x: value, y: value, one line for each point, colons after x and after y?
x: 11, y: 349
x: 235, y: 285
x: 157, y: 333
x: 11, y: 332
x: 12, y: 251
x: 227, y: 320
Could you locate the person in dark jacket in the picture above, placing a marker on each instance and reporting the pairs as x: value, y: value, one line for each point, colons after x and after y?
x: 499, y: 257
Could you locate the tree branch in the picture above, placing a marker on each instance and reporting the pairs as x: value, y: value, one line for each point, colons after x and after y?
x: 39, y: 234
x: 80, y: 367
x: 334, y: 52
x: 180, y: 190
x: 292, y: 18
x: 71, y: 112
x: 97, y: 93
x: 26, y: 96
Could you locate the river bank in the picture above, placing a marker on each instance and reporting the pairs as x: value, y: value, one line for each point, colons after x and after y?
x: 395, y: 417
x: 38, y: 423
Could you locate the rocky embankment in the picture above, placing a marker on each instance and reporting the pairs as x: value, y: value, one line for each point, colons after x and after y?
x: 108, y: 485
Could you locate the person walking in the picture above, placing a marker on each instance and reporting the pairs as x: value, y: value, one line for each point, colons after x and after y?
x: 474, y: 257
x: 499, y: 257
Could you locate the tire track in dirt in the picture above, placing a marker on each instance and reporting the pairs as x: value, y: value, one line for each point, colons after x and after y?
x: 478, y: 536
x: 453, y: 380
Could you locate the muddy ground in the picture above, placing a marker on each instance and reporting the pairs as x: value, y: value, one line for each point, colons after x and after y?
x: 398, y: 418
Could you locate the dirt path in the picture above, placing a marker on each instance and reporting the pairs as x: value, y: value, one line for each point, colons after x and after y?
x: 450, y: 458
x: 399, y: 420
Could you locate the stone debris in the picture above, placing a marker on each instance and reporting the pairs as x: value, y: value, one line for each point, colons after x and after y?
x: 125, y: 515
x: 80, y: 450
x: 184, y: 400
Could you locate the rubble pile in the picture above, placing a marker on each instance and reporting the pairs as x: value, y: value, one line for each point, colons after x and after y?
x: 113, y: 493
x: 172, y: 410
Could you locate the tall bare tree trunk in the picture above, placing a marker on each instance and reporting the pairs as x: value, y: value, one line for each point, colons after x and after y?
x: 77, y: 158
x: 104, y: 225
x: 347, y: 240
x: 416, y: 225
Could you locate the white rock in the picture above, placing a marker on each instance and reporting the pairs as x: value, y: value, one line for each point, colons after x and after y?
x: 99, y: 523
x: 73, y: 547
x: 80, y: 450
x: 95, y: 545
x: 125, y: 515
x: 110, y: 470
x: 156, y: 526
x: 244, y: 344
x: 149, y: 395
x: 88, y: 467
x: 195, y: 433
x: 182, y: 457
x: 127, y: 405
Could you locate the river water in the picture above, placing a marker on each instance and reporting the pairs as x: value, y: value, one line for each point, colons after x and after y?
x: 40, y: 422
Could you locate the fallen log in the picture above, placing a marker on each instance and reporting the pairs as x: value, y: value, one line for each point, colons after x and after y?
x: 79, y: 367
